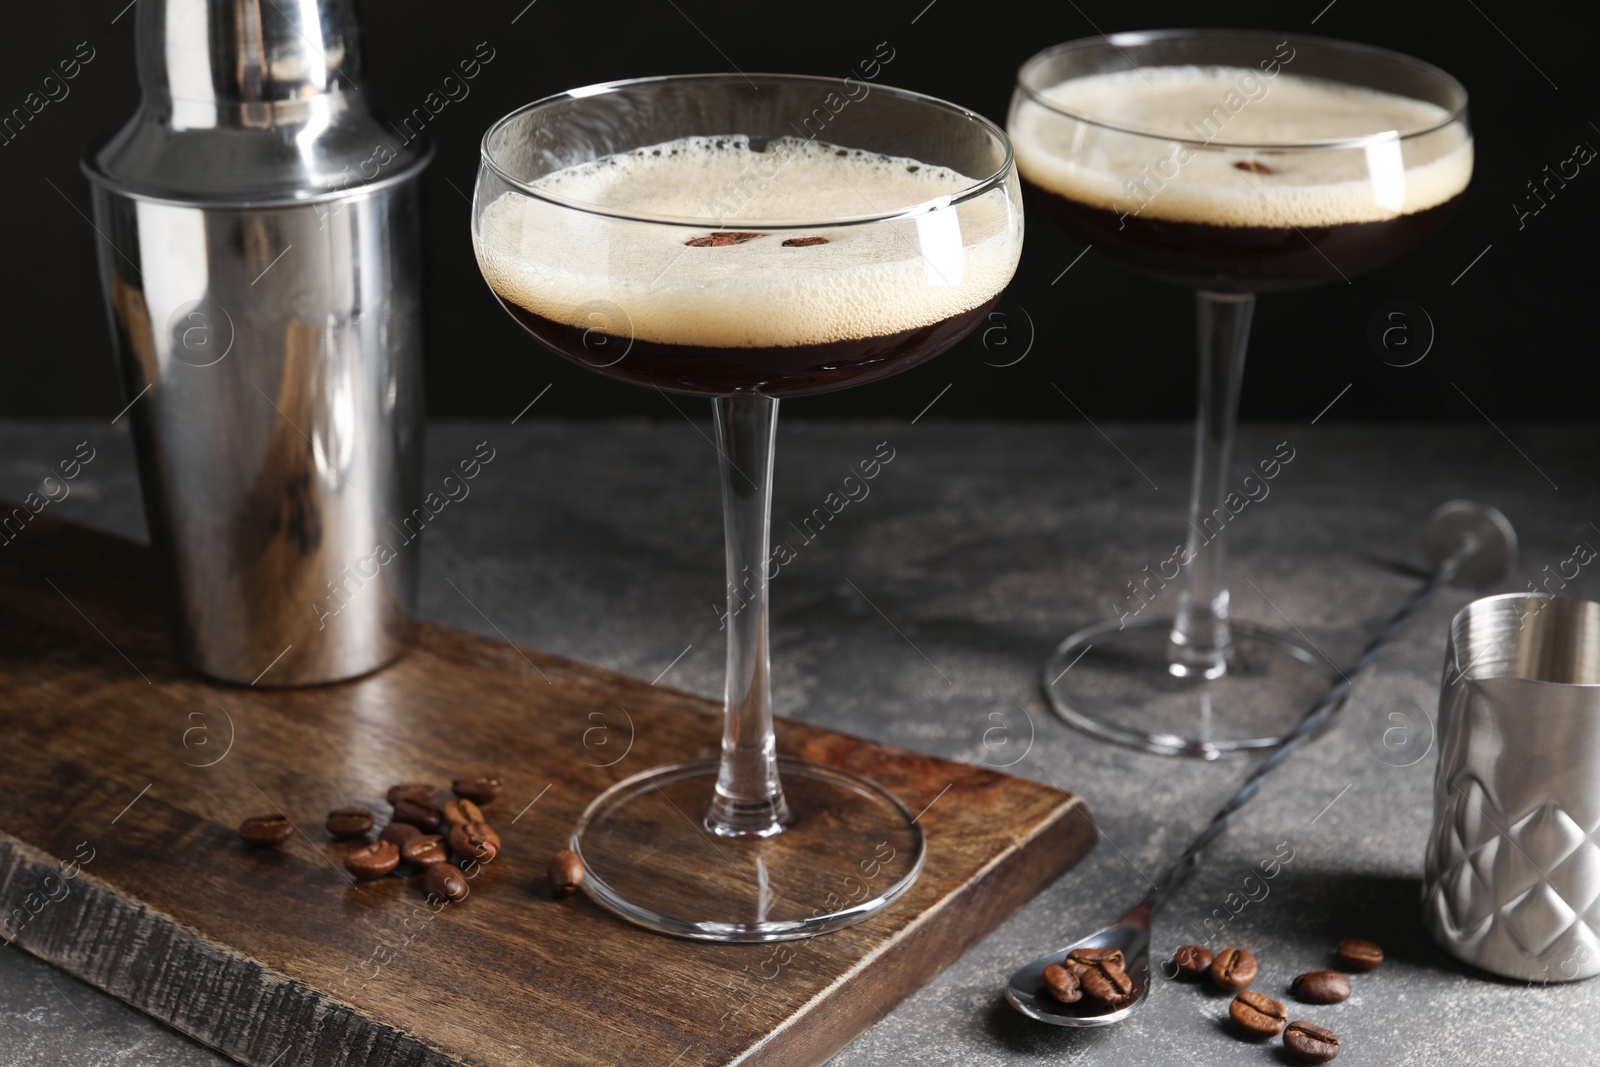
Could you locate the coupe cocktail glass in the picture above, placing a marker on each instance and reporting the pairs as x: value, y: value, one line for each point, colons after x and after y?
x: 746, y: 239
x: 1231, y: 162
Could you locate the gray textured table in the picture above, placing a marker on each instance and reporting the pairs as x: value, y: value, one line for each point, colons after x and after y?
x: 983, y: 545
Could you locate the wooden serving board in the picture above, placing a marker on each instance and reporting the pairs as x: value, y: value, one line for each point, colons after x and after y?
x: 119, y: 860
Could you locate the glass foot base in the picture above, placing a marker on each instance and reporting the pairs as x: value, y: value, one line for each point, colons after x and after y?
x: 1115, y: 684
x: 851, y: 850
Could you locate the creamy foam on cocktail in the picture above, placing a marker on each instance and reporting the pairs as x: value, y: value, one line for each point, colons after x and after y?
x: 560, y: 258
x: 1185, y: 170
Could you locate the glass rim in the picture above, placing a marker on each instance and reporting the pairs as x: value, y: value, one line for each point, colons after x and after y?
x: 977, y: 188
x: 1134, y: 38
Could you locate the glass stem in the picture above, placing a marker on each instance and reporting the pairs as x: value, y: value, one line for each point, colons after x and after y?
x: 749, y: 798
x: 1200, y: 634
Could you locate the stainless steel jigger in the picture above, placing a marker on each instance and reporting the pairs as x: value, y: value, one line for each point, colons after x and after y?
x: 1512, y: 882
x: 262, y: 260
x: 1468, y: 544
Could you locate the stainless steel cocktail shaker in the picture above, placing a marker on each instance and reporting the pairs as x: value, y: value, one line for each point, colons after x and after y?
x: 261, y: 256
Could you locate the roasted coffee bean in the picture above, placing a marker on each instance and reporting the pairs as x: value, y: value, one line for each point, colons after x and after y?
x: 1090, y: 956
x: 1063, y: 984
x: 1311, y: 1042
x: 566, y: 872
x: 479, y: 789
x: 419, y: 813
x: 424, y: 793
x: 349, y: 822
x: 459, y: 812
x: 398, y: 833
x: 266, y: 829
x: 1320, y: 987
x: 1233, y: 969
x: 1356, y: 955
x: 1192, y: 961
x: 1106, y: 982
x: 424, y: 850
x: 1257, y: 1015
x: 446, y: 883
x: 476, y: 841
x: 373, y: 861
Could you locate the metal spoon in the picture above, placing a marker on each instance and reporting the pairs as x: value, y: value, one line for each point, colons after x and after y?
x: 1465, y: 541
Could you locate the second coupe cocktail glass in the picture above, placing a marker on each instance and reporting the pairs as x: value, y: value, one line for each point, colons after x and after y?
x: 1232, y: 162
x: 745, y: 239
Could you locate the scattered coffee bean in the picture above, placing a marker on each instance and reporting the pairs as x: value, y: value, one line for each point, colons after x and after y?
x: 1257, y: 1015
x: 480, y: 789
x: 446, y: 883
x: 476, y: 841
x: 266, y: 829
x: 424, y: 793
x: 459, y: 812
x: 398, y: 833
x: 419, y: 813
x: 1106, y: 982
x: 1192, y: 961
x: 1063, y: 984
x: 1232, y: 969
x: 566, y: 872
x: 1311, y: 1042
x: 1320, y: 987
x: 349, y: 822
x: 373, y: 861
x: 424, y: 850
x: 1357, y: 955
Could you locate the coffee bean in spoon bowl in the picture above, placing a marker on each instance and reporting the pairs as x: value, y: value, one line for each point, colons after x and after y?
x: 1105, y: 982
x: 1062, y: 984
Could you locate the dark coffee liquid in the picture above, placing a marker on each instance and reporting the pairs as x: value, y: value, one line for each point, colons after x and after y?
x: 1253, y: 259
x: 789, y: 370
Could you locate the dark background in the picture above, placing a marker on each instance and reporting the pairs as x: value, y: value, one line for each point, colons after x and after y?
x: 1513, y: 334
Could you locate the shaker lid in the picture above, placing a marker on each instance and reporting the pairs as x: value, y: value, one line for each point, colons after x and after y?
x: 252, y: 102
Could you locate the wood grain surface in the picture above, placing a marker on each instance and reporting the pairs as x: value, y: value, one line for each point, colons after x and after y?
x: 123, y: 777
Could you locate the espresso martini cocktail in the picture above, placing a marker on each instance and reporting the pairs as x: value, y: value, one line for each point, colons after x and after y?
x: 1232, y: 162
x: 726, y: 305
x: 746, y: 239
x: 1252, y: 200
